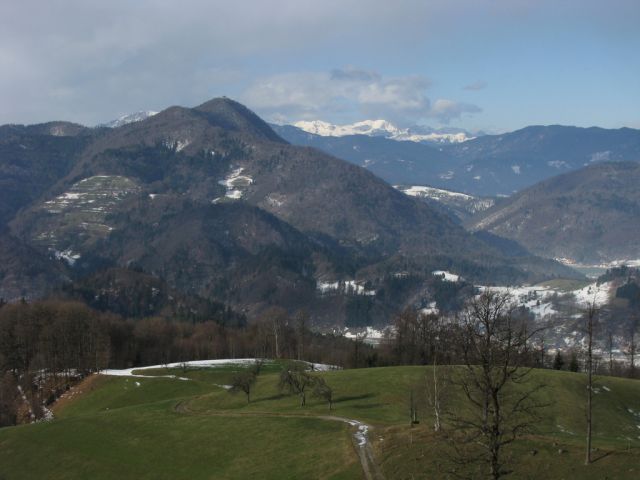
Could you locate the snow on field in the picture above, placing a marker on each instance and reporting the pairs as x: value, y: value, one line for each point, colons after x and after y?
x: 446, y: 276
x: 538, y: 299
x: 349, y: 287
x: 430, y: 192
x: 236, y: 183
x: 128, y: 372
x: 371, y: 334
x: 535, y: 298
x: 593, y: 293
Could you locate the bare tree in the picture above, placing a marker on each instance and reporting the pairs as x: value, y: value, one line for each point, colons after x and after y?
x: 590, y: 316
x: 295, y: 378
x: 610, y: 350
x: 243, y: 382
x: 302, y: 321
x: 437, y: 383
x: 323, y: 391
x: 632, y: 346
x: 501, y: 404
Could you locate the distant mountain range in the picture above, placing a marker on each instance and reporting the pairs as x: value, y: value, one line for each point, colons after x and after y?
x: 214, y: 204
x: 589, y: 216
x: 383, y: 128
x: 489, y: 165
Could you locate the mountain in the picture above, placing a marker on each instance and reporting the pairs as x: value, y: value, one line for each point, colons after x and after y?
x: 26, y: 272
x: 33, y: 158
x: 489, y: 165
x: 215, y: 204
x: 383, y: 128
x: 460, y: 205
x: 397, y: 162
x: 129, y: 118
x: 504, y: 164
x: 590, y: 216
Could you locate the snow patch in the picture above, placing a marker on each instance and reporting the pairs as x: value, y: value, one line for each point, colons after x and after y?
x: 430, y: 192
x: 236, y: 183
x: 67, y: 255
x: 130, y: 118
x: 128, y: 372
x: 446, y: 276
x: 349, y: 287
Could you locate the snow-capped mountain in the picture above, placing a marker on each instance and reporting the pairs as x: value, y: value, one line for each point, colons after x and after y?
x: 129, y: 118
x: 383, y: 128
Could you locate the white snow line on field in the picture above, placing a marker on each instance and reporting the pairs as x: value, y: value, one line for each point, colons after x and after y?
x: 128, y: 372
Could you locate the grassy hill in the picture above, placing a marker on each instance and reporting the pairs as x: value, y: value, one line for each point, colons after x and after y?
x: 161, y: 427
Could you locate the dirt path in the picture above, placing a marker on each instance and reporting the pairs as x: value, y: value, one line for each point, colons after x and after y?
x: 359, y: 434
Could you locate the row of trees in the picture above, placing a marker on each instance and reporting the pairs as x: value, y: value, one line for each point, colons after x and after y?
x: 45, y: 346
x: 295, y: 378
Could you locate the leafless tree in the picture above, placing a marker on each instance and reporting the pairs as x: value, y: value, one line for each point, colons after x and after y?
x: 591, y: 317
x: 631, y: 349
x: 501, y: 401
x: 243, y: 382
x: 295, y: 378
x: 323, y: 391
x: 301, y: 321
x: 436, y: 383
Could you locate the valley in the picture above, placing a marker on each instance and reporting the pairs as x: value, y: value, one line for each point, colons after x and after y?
x: 169, y: 247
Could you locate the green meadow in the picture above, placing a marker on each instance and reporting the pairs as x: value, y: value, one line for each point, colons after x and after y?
x: 168, y: 428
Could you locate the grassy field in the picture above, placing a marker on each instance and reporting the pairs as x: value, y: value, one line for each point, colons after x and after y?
x: 130, y: 428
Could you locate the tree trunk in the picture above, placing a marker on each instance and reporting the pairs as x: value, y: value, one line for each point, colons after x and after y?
x: 590, y: 317
x: 436, y: 399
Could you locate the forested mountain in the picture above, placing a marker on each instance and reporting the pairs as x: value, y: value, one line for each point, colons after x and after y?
x: 213, y: 202
x: 591, y: 215
x: 489, y: 165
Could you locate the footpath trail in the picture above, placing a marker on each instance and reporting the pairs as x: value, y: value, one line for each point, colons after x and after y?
x: 359, y: 434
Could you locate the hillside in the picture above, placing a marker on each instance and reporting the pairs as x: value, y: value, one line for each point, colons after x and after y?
x: 213, y: 202
x: 588, y: 216
x: 162, y: 428
x: 488, y: 165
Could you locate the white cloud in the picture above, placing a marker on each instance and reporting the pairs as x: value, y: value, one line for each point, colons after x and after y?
x: 477, y: 85
x: 349, y: 91
x: 447, y: 110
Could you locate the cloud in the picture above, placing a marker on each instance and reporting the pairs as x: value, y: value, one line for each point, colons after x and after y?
x: 477, y: 85
x: 447, y: 110
x: 349, y: 94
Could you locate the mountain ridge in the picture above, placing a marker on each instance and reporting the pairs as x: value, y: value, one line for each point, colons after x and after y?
x: 591, y: 215
x: 214, y: 202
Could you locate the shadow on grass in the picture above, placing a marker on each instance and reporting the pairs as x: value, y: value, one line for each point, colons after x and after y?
x: 363, y: 396
x: 600, y: 456
x: 277, y: 396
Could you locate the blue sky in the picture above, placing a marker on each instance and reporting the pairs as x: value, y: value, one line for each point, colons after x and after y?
x: 479, y: 64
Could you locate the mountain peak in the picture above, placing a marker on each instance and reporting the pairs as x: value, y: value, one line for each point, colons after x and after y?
x: 231, y: 115
x: 384, y: 128
x: 130, y: 118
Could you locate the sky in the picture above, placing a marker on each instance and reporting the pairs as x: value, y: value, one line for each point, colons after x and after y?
x: 491, y: 65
